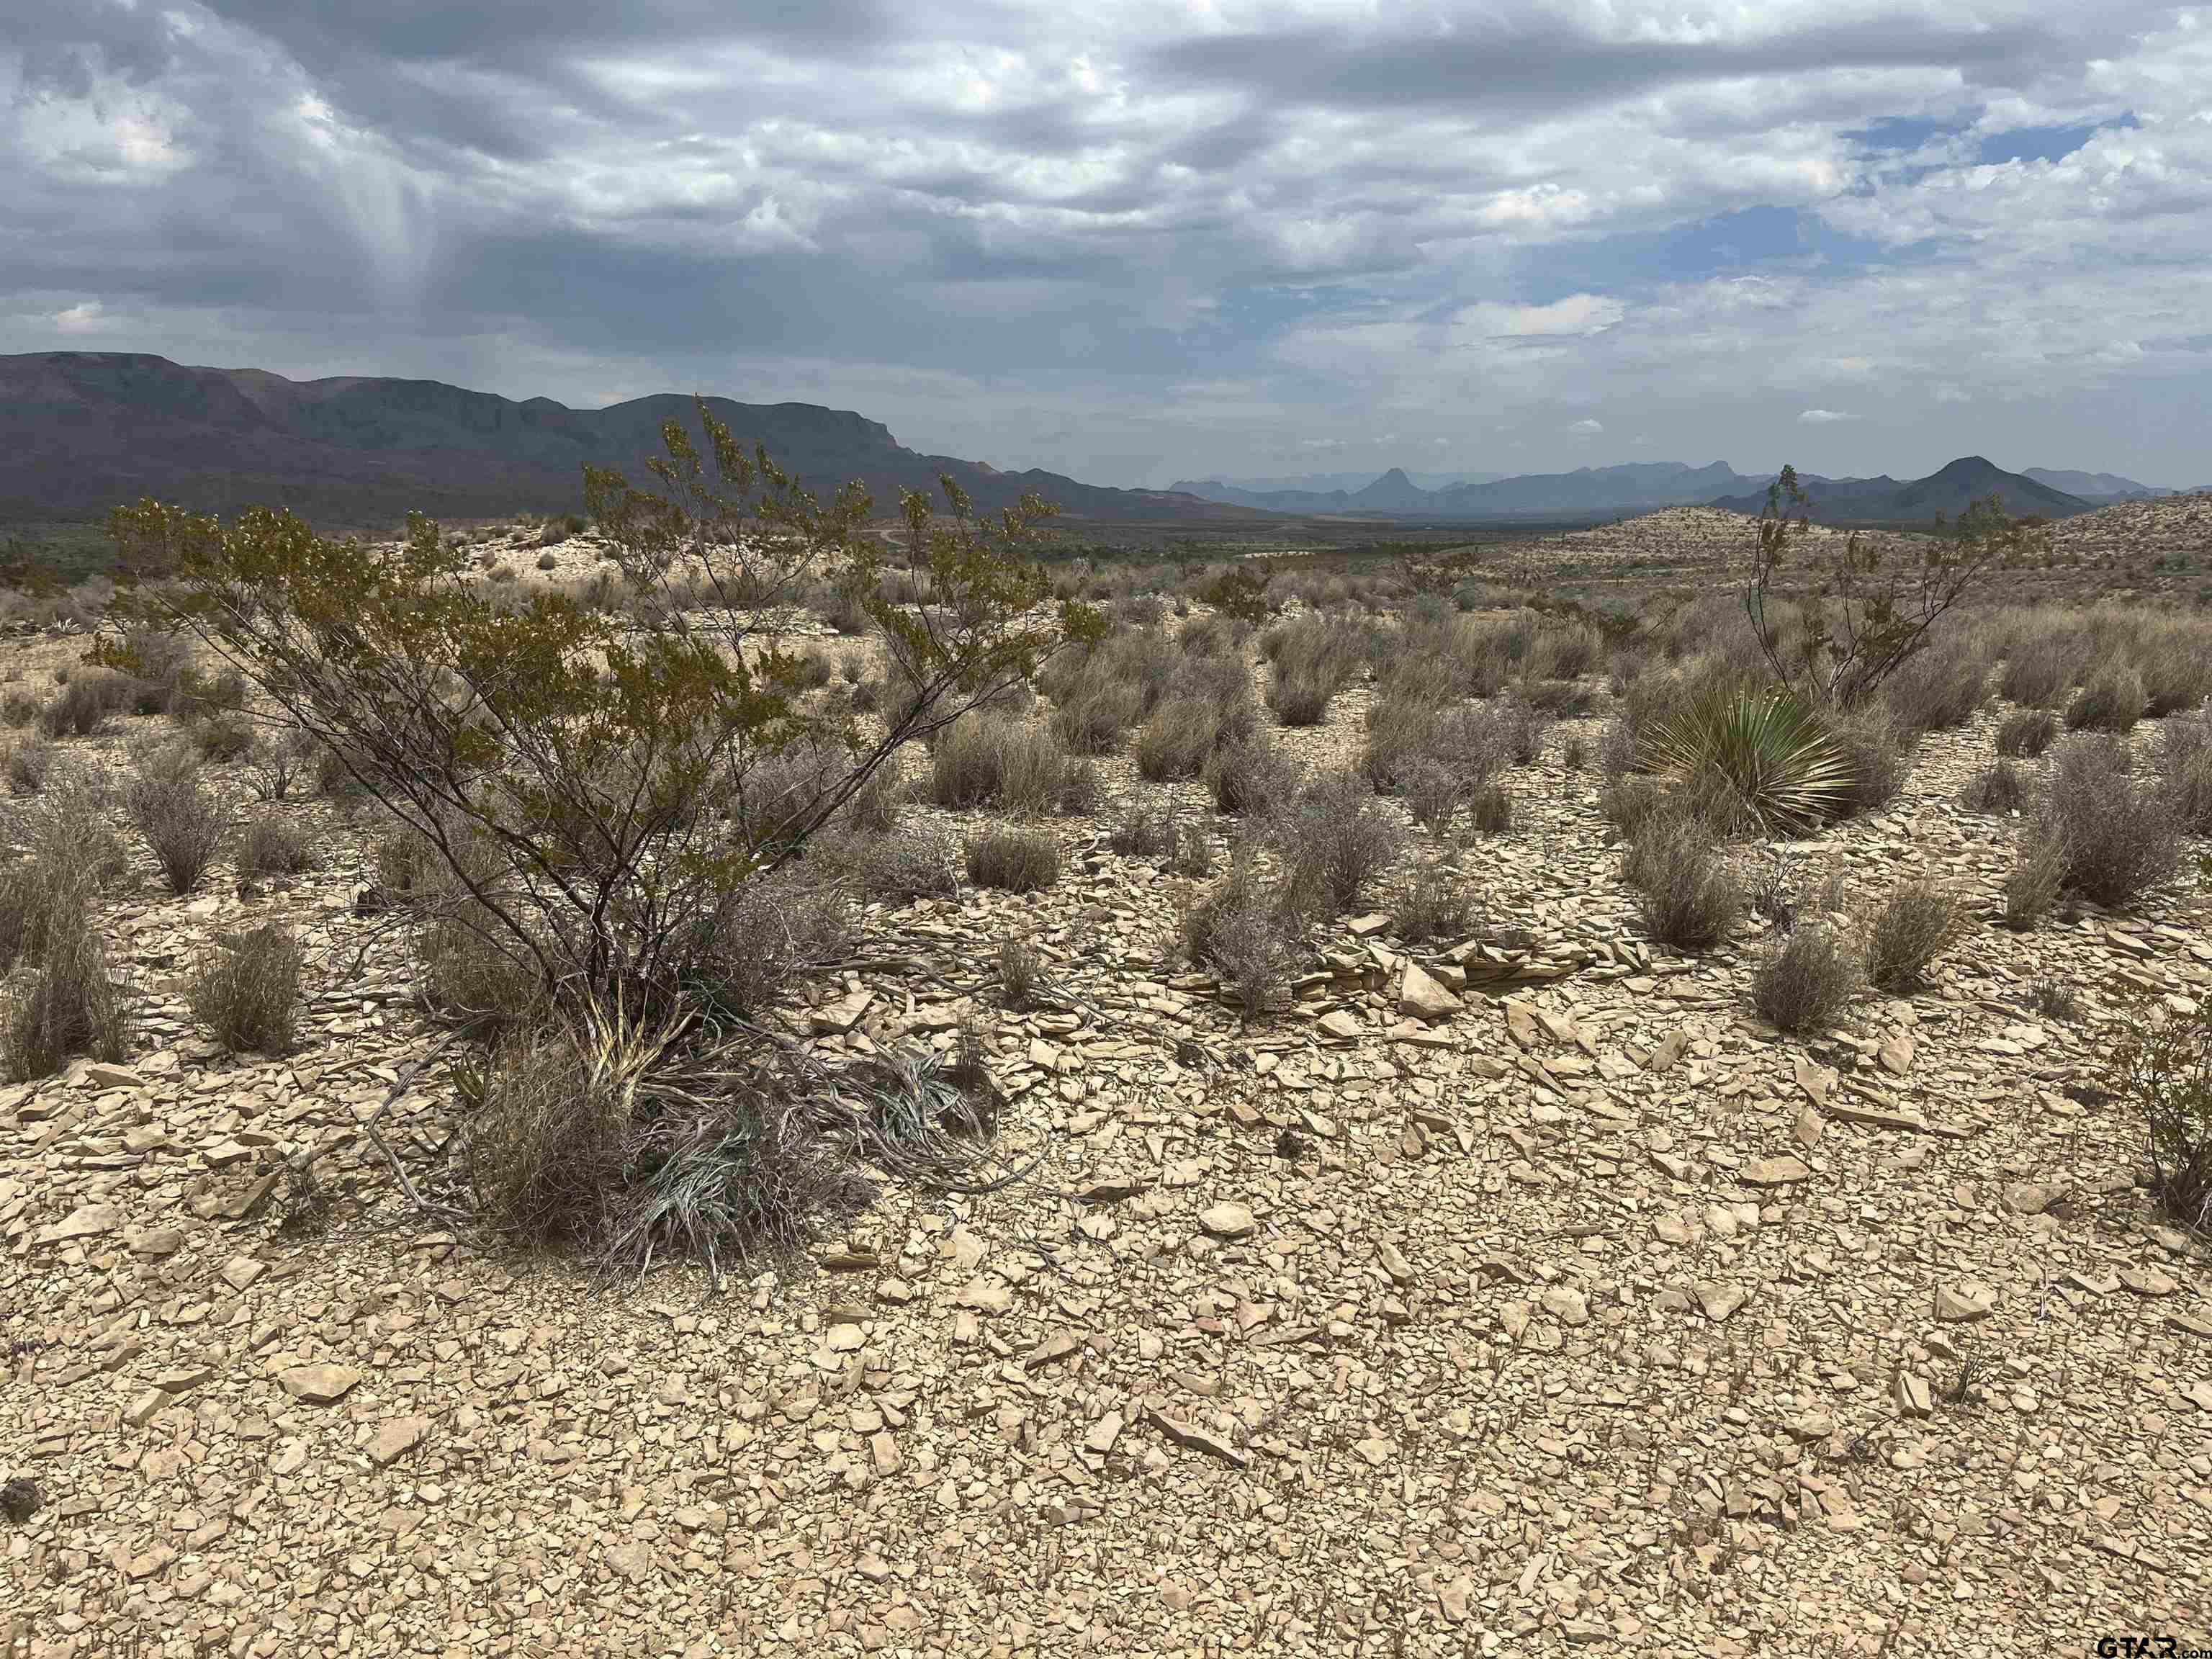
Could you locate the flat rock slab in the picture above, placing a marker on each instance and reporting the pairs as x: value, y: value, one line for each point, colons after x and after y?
x: 1776, y: 1171
x: 318, y: 1385
x: 398, y: 1436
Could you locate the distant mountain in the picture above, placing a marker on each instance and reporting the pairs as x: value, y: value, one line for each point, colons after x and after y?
x: 2094, y: 486
x: 1323, y: 483
x: 83, y: 431
x: 1636, y: 486
x: 1590, y: 491
x: 1891, y: 500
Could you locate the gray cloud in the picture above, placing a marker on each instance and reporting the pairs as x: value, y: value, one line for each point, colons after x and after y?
x: 1133, y: 243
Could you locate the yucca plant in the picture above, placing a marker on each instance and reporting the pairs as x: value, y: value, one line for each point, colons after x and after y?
x: 1760, y: 753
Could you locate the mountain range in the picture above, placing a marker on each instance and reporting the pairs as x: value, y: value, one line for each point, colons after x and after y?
x: 1589, y: 490
x: 83, y: 431
x: 1949, y: 491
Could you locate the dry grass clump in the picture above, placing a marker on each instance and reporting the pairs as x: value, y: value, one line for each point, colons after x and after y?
x: 1684, y: 891
x: 276, y: 847
x: 2120, y: 838
x: 1337, y: 841
x: 2041, y: 665
x: 763, y: 938
x: 246, y: 991
x: 1309, y: 661
x: 18, y: 708
x: 1437, y: 901
x: 1490, y: 809
x: 874, y: 809
x: 2111, y: 700
x: 30, y: 760
x: 67, y: 1004
x: 1804, y: 983
x: 2161, y: 1068
x: 1102, y: 691
x: 1017, y: 765
x: 2038, y: 877
x: 898, y: 866
x: 634, y: 1142
x: 2175, y: 660
x: 222, y: 738
x: 1252, y: 777
x: 1012, y: 860
x: 1254, y: 937
x: 2184, y: 764
x: 1436, y: 756
x: 1917, y: 923
x: 1158, y: 832
x: 1877, y: 750
x: 1208, y: 707
x: 1940, y: 687
x: 2025, y: 733
x: 782, y: 794
x: 471, y: 971
x: 1997, y: 788
x: 180, y: 818
x: 81, y: 707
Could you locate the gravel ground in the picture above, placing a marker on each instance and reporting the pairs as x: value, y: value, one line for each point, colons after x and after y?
x: 1589, y: 1312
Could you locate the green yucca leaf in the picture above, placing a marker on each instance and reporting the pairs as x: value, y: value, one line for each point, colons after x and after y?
x: 1763, y: 750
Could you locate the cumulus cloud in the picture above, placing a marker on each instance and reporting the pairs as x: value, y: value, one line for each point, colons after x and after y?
x: 1138, y: 240
x: 1587, y: 427
x: 1822, y: 416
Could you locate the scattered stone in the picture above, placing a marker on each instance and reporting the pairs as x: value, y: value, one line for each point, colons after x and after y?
x: 318, y: 1385
x: 1775, y: 1171
x: 1967, y: 1300
x: 1226, y: 1220
x: 397, y: 1437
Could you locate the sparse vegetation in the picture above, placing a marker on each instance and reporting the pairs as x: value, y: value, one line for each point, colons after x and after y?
x: 1014, y: 860
x: 2027, y: 732
x: 1912, y: 927
x: 1687, y: 896
x: 180, y: 818
x: 2161, y: 1070
x: 246, y: 991
x: 1806, y: 981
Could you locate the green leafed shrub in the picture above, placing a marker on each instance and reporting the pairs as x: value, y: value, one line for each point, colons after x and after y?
x: 1763, y: 752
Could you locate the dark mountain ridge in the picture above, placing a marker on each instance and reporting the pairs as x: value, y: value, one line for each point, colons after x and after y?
x: 83, y: 431
x: 1949, y: 491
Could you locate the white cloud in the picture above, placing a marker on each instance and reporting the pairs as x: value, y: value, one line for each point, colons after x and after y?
x: 1148, y: 239
x: 1823, y: 417
x: 1586, y: 427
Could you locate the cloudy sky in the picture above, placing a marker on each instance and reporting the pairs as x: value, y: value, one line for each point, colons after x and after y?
x: 1164, y: 237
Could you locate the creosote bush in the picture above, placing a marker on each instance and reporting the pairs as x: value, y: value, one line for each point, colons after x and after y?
x: 1912, y: 926
x: 1805, y: 982
x: 246, y: 991
x: 1014, y: 860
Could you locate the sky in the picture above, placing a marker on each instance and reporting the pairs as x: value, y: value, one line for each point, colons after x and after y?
x: 1134, y: 242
